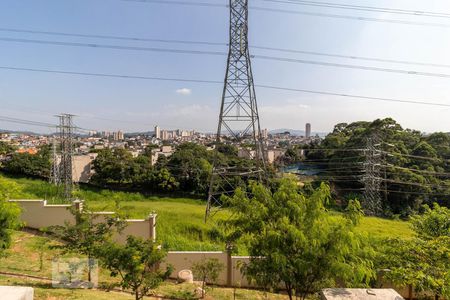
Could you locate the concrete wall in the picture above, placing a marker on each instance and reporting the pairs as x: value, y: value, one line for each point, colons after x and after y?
x: 181, y: 260
x: 38, y: 214
x: 237, y: 279
x: 230, y: 276
x: 82, y: 167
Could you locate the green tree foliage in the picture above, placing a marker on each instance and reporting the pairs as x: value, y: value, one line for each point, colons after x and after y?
x: 30, y: 164
x: 423, y: 262
x: 5, y: 148
x: 164, y: 181
x: 186, y: 170
x: 113, y: 166
x: 294, y: 242
x: 9, y: 215
x: 434, y: 223
x: 191, y: 167
x: 137, y: 264
x: 207, y: 270
x: 88, y: 234
x: 424, y: 184
x: 291, y: 156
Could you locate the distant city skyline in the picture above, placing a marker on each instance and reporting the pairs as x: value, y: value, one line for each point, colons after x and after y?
x: 103, y: 103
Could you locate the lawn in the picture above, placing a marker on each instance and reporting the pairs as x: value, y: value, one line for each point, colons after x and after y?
x: 180, y: 223
x: 23, y: 259
x: 384, y: 228
x: 180, y: 226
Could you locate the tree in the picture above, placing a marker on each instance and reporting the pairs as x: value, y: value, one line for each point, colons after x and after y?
x: 192, y: 167
x: 423, y: 262
x: 294, y: 242
x: 30, y: 164
x: 411, y: 180
x: 88, y: 235
x: 434, y: 223
x: 207, y: 270
x: 164, y: 181
x: 9, y: 214
x: 137, y: 264
x: 5, y: 148
x: 112, y: 166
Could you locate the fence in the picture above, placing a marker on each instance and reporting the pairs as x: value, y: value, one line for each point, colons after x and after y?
x: 38, y: 214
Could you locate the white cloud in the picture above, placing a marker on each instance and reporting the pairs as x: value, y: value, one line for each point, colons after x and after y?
x: 184, y: 91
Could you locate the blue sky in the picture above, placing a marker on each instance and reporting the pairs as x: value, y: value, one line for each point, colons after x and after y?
x: 140, y: 104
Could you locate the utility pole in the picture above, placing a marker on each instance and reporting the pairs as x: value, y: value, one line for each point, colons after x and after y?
x: 371, y: 178
x: 238, y: 118
x: 66, y: 130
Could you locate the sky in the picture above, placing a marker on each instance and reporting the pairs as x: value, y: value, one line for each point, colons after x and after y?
x: 138, y: 105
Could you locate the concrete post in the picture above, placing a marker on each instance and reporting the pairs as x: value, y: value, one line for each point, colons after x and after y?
x: 152, y: 225
x: 78, y: 204
x: 229, y: 250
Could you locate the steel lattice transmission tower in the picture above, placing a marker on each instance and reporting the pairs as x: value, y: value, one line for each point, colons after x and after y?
x: 65, y: 131
x: 372, y: 178
x: 54, y: 173
x: 238, y: 119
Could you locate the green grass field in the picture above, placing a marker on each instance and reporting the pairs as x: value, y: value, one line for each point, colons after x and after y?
x: 180, y: 226
x: 180, y: 223
x: 23, y: 258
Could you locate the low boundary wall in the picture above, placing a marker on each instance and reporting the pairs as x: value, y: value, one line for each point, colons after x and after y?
x: 230, y: 276
x: 38, y: 214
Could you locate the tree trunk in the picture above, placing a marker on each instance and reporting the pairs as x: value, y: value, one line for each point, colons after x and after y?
x: 203, y: 287
x: 41, y: 260
x: 89, y: 269
x: 289, y: 290
x: 136, y: 295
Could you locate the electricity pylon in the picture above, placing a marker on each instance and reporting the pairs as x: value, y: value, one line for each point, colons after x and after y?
x: 54, y: 175
x: 65, y: 130
x: 372, y: 178
x: 238, y: 118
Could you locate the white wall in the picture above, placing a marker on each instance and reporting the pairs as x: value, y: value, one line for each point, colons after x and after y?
x: 38, y: 214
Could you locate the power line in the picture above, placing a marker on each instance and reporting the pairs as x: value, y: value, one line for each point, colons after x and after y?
x: 415, y: 156
x: 26, y: 122
x: 315, y: 14
x: 415, y: 193
x: 353, y: 57
x: 110, y: 75
x: 335, y: 149
x: 92, y: 45
x: 363, y: 8
x: 348, y: 66
x: 112, y: 37
x: 352, y: 96
x: 415, y: 170
x: 190, y: 42
x: 206, y: 4
x: 218, y: 53
x: 411, y: 183
x: 123, y: 76
x: 349, y: 17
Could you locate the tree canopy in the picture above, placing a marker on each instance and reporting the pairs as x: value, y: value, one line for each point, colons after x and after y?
x: 9, y: 214
x: 415, y: 167
x: 293, y: 242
